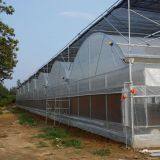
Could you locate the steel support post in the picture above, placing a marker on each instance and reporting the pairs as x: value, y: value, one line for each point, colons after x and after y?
x: 46, y: 90
x: 130, y: 70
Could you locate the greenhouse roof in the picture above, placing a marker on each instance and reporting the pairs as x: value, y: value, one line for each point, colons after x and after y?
x: 145, y: 22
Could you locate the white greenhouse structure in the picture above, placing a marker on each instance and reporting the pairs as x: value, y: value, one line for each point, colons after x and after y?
x: 107, y: 79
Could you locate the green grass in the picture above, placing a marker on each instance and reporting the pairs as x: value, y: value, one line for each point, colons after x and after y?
x: 102, y: 152
x: 72, y: 143
x: 53, y: 133
x: 59, y: 137
x: 7, y: 100
x: 25, y: 119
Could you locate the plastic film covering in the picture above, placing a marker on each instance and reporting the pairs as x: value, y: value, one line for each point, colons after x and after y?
x: 97, y: 70
x: 146, y: 115
x: 146, y: 79
x: 146, y: 101
x: 98, y: 66
x: 58, y: 80
x: 85, y: 80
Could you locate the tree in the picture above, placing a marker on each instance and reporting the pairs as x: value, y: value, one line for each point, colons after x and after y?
x: 7, y: 97
x: 13, y: 91
x: 8, y: 45
x: 3, y: 91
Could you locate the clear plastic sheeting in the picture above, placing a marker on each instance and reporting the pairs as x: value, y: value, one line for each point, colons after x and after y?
x: 99, y: 69
x: 96, y: 70
x: 152, y: 76
x: 107, y: 79
x: 146, y: 115
x: 94, y: 65
x: 58, y: 80
x: 146, y: 74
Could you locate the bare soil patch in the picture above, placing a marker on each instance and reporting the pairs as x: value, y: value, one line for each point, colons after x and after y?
x: 18, y: 142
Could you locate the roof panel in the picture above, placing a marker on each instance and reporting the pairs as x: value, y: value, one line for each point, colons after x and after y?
x: 115, y: 17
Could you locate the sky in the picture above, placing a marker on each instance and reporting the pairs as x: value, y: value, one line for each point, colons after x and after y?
x: 43, y: 27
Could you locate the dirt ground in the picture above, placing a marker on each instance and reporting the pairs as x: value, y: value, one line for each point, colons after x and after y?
x: 17, y: 142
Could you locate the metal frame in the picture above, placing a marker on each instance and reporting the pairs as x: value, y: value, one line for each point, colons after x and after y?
x: 69, y: 52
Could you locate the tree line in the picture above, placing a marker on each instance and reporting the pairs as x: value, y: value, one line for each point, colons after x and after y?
x: 7, y: 97
x: 8, y: 55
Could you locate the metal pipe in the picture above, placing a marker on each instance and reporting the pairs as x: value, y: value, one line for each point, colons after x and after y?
x: 130, y: 69
x: 137, y: 45
x: 129, y: 24
x: 141, y: 15
x: 115, y: 28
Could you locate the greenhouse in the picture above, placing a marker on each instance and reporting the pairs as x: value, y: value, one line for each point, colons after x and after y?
x: 107, y: 79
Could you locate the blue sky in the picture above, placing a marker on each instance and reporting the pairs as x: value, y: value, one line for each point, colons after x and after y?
x: 44, y: 27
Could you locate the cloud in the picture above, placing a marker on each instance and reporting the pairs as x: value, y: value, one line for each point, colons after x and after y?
x: 79, y: 15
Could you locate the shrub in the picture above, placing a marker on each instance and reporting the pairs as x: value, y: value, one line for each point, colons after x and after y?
x: 24, y: 119
x: 6, y: 97
x: 53, y: 133
x: 59, y: 137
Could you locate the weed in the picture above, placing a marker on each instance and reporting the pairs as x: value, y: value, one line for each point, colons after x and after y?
x: 24, y: 119
x: 102, y: 152
x: 53, y: 133
x: 59, y: 138
x: 6, y: 100
x: 72, y: 143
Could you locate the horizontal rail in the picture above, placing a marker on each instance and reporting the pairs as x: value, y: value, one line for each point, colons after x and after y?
x: 58, y: 108
x: 146, y: 96
x: 57, y: 100
x: 137, y: 45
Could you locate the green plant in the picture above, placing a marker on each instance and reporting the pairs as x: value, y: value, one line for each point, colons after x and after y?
x: 72, y: 143
x: 59, y: 137
x: 8, y: 44
x: 53, y: 133
x: 102, y: 152
x: 24, y: 119
x: 6, y: 97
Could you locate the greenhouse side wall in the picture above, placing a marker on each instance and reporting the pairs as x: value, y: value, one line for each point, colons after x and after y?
x: 91, y: 99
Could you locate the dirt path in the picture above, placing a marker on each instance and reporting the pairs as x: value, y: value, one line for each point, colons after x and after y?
x: 17, y: 142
